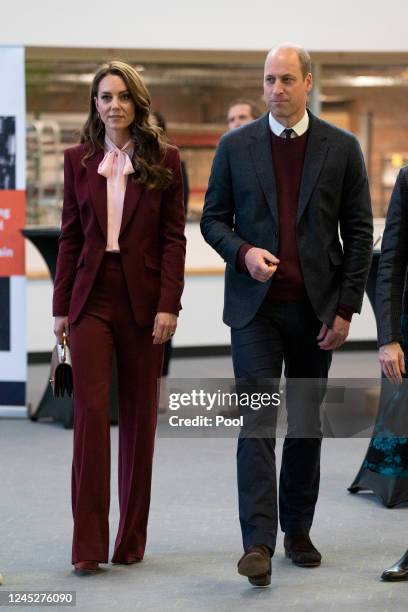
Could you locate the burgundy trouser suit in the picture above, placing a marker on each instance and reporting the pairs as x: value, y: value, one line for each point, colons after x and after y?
x: 107, y: 324
x: 111, y: 300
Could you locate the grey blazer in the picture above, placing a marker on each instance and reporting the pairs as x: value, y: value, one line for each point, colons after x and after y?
x: 241, y: 207
x: 391, y: 300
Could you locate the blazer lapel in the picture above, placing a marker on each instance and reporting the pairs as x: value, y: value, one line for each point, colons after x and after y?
x: 261, y: 153
x: 133, y: 193
x: 316, y: 151
x: 97, y: 187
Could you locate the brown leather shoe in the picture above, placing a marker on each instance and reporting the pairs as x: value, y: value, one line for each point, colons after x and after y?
x: 256, y: 565
x: 84, y: 568
x: 301, y: 550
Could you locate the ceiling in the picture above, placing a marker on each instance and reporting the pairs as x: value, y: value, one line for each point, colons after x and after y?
x: 74, y: 68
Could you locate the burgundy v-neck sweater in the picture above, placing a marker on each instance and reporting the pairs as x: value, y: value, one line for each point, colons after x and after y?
x: 288, y: 156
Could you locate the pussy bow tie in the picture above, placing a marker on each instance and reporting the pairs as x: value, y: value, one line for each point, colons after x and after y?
x: 115, y: 161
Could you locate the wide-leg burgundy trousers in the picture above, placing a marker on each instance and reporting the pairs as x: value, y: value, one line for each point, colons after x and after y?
x: 107, y: 324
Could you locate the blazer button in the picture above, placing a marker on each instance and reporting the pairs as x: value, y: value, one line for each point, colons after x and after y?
x: 276, y: 234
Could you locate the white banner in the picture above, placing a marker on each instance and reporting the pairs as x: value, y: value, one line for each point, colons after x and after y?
x: 13, y: 354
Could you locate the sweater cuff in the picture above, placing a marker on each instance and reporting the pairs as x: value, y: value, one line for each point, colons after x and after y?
x: 240, y: 259
x: 345, y: 312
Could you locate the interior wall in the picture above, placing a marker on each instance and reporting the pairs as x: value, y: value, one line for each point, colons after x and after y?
x: 200, y: 322
x: 316, y: 24
x: 198, y: 325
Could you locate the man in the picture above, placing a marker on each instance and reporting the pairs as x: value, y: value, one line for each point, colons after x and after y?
x: 392, y: 321
x: 240, y: 112
x: 279, y: 189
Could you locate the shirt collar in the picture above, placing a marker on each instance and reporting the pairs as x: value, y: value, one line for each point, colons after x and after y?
x: 127, y: 147
x: 299, y: 128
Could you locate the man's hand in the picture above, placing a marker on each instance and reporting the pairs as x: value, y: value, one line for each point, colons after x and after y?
x: 165, y: 325
x: 261, y: 264
x: 330, y: 338
x: 392, y: 362
x: 60, y: 326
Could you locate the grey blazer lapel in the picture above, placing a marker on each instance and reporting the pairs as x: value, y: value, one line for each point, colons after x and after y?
x: 316, y: 151
x: 261, y: 153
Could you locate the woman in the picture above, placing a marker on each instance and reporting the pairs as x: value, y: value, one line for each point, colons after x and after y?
x: 118, y: 285
x: 389, y: 454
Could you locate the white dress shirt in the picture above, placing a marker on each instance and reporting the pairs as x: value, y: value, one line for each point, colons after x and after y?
x: 298, y: 129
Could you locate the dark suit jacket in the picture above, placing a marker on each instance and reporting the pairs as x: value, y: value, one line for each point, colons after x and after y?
x: 241, y: 207
x: 151, y: 239
x: 391, y: 300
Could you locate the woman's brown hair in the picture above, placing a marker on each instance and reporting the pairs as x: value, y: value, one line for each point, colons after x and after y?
x: 149, y: 143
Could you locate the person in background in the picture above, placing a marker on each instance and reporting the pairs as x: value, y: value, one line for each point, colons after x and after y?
x: 158, y: 120
x: 392, y: 324
x: 118, y: 284
x: 280, y: 189
x: 242, y: 111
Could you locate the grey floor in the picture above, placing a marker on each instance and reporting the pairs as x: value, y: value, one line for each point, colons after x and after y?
x: 194, y: 539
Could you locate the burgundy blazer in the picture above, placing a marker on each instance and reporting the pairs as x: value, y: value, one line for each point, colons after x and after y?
x: 151, y: 239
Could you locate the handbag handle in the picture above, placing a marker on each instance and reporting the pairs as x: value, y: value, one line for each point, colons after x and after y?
x: 64, y: 347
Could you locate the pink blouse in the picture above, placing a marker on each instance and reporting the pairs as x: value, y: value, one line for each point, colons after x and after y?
x: 115, y: 166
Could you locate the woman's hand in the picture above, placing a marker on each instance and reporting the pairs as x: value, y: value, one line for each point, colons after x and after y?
x: 165, y: 325
x: 392, y: 363
x: 60, y: 326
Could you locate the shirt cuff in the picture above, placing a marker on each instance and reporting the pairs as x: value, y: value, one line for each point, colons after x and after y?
x: 240, y: 260
x: 345, y: 312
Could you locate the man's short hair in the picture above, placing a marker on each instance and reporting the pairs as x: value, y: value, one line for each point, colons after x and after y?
x: 304, y: 57
x: 304, y: 61
x: 255, y: 110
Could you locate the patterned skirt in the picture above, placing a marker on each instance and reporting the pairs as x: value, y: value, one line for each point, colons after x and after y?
x: 388, y: 450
